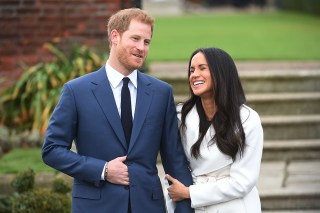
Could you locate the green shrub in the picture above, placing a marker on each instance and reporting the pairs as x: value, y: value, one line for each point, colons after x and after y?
x: 5, y: 204
x: 29, y: 200
x: 306, y: 6
x: 41, y: 200
x: 28, y: 104
x: 312, y: 6
x: 61, y: 186
x: 24, y: 181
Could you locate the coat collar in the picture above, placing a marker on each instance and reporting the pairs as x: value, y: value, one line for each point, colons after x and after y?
x: 102, y: 91
x: 143, y: 102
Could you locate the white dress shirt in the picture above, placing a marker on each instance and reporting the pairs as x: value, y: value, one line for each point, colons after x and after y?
x: 115, y: 80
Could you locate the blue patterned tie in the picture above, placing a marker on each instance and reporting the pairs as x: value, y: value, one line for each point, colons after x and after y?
x: 126, y: 113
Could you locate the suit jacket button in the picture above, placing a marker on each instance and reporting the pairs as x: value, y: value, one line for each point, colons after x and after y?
x: 126, y: 187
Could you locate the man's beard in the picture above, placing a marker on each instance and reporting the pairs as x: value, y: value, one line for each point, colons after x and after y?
x: 124, y: 60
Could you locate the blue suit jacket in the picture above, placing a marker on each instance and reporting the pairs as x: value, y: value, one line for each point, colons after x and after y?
x: 87, y: 114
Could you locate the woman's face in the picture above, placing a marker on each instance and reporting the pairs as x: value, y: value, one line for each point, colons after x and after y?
x: 200, y: 76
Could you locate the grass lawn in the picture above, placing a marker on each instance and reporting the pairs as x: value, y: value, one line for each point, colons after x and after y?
x: 22, y: 159
x: 245, y: 36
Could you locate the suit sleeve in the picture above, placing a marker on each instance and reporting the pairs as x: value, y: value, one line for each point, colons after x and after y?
x: 244, y: 172
x: 61, y: 132
x: 172, y: 154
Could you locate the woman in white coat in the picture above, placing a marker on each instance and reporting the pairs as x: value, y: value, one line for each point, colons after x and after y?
x: 222, y: 138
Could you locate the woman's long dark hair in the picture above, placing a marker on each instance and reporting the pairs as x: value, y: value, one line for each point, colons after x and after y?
x: 228, y: 97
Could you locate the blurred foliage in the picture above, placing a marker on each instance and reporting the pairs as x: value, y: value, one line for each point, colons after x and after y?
x: 41, y: 200
x: 305, y: 6
x: 24, y: 181
x: 5, y: 204
x: 28, y: 104
x: 26, y: 199
x: 61, y: 186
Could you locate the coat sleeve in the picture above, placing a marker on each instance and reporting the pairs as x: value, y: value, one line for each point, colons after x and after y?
x: 244, y: 172
x: 61, y: 132
x: 172, y: 155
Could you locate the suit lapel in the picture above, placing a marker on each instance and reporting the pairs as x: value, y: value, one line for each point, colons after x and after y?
x: 104, y: 95
x: 144, y: 98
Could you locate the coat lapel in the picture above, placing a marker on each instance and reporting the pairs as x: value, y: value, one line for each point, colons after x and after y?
x: 144, y: 98
x: 104, y: 95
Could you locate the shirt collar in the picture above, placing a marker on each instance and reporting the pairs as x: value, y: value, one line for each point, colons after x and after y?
x: 116, y: 77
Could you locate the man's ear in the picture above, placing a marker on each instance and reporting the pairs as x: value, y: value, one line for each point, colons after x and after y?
x: 114, y: 37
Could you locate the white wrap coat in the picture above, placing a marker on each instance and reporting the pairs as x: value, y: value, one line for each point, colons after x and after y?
x: 221, y: 185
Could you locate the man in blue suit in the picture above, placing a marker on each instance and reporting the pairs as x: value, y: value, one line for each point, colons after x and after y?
x: 114, y: 169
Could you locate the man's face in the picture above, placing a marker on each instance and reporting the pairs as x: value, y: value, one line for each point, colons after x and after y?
x: 133, y: 46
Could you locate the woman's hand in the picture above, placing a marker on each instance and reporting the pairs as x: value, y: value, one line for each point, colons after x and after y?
x: 177, y: 191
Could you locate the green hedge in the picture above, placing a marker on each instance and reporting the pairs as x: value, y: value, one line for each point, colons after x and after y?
x: 306, y: 6
x: 26, y: 199
x: 40, y: 201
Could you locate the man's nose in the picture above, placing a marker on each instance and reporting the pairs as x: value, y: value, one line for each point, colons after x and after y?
x: 141, y: 45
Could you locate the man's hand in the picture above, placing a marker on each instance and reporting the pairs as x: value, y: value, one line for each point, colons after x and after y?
x: 118, y: 171
x: 177, y: 191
